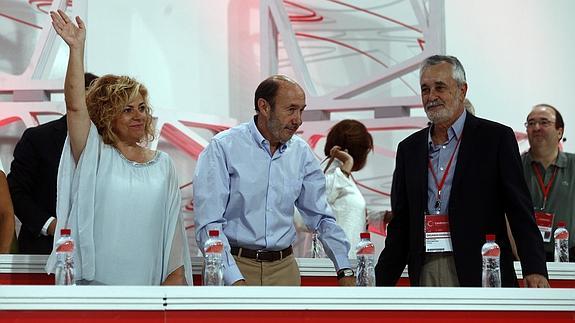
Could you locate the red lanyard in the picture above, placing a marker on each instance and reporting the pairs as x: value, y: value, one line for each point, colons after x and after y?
x: 544, y: 188
x: 440, y: 185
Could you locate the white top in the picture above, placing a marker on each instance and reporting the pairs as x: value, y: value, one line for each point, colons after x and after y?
x: 347, y: 203
x: 348, y: 207
x: 125, y: 216
x: 2, y: 168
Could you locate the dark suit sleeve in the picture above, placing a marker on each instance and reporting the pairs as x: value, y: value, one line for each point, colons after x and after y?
x: 519, y: 207
x: 24, y: 174
x: 393, y: 258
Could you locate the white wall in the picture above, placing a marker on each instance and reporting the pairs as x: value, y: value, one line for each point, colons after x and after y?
x: 178, y: 49
x: 516, y: 53
x: 193, y: 54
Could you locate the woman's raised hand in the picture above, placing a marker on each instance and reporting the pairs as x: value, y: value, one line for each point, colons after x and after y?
x: 340, y: 154
x: 344, y: 157
x: 73, y: 35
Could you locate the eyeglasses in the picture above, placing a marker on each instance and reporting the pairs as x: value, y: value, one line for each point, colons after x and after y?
x: 543, y: 123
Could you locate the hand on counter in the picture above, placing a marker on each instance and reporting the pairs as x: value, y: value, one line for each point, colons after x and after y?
x: 347, y: 281
x: 535, y: 281
x: 240, y: 282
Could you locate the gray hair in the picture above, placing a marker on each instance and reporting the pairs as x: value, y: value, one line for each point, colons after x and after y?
x: 469, y: 106
x: 458, y: 73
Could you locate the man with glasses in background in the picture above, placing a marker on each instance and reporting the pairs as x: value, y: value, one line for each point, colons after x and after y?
x: 550, y: 175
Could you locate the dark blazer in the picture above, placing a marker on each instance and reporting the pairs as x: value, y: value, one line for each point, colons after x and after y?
x: 487, y: 184
x: 32, y: 182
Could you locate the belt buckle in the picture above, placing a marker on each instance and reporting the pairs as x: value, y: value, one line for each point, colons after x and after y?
x: 258, y: 254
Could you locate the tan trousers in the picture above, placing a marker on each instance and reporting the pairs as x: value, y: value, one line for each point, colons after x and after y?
x: 284, y: 272
x: 439, y: 271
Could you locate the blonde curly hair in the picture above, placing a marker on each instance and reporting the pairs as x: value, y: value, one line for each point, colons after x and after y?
x: 107, y: 96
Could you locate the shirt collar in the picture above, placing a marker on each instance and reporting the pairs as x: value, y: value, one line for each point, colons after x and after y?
x: 560, y: 162
x: 260, y: 139
x: 456, y: 129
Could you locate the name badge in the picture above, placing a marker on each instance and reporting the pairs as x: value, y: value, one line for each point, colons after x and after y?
x: 544, y: 221
x: 437, y: 234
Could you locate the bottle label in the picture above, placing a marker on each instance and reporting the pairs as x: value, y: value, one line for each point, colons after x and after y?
x: 562, y: 235
x: 67, y: 246
x: 215, y: 248
x: 437, y: 234
x: 545, y: 223
x: 367, y: 250
x: 493, y: 252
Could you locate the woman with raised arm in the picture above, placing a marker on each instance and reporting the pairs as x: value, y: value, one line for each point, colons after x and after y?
x: 346, y: 148
x: 120, y: 199
x: 347, y: 144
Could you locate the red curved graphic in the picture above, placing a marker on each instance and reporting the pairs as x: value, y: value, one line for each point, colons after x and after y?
x: 20, y: 21
x: 377, y: 15
x: 311, y: 17
x: 337, y: 42
x: 39, y: 4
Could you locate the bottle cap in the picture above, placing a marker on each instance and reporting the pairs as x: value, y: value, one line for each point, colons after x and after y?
x: 561, y: 224
x: 214, y: 233
x: 364, y: 235
x: 65, y: 232
x: 490, y: 237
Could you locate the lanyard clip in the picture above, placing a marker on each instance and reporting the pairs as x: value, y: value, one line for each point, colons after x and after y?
x: 438, y: 202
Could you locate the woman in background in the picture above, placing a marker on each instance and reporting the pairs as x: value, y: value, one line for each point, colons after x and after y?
x: 347, y: 145
x: 120, y: 199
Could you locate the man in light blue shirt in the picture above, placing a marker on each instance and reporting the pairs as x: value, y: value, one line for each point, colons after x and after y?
x: 246, y: 184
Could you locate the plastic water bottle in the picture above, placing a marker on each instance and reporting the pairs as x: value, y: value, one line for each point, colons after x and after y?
x: 213, y: 253
x: 561, y: 237
x: 491, y: 273
x: 365, y: 251
x: 316, y: 246
x: 64, y: 259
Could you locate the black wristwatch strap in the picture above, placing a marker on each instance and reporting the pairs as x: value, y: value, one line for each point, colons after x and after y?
x: 344, y: 272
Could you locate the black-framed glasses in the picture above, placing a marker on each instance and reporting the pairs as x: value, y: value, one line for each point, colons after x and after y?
x: 542, y: 123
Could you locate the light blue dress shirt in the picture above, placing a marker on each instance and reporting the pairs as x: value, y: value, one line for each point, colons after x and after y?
x: 440, y: 155
x: 249, y: 195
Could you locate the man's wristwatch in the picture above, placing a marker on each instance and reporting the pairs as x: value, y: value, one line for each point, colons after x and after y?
x: 345, y: 272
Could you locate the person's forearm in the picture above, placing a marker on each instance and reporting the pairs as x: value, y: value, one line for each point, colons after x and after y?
x: 6, y: 216
x: 177, y: 277
x: 6, y: 232
x: 346, y: 167
x: 74, y: 90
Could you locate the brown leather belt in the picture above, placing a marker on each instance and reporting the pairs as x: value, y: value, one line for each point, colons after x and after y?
x: 262, y: 255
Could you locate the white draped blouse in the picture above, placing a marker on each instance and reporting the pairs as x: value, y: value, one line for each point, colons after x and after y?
x: 124, y: 216
x: 347, y: 203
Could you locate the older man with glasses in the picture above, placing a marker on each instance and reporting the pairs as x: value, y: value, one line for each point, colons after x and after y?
x: 550, y: 175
